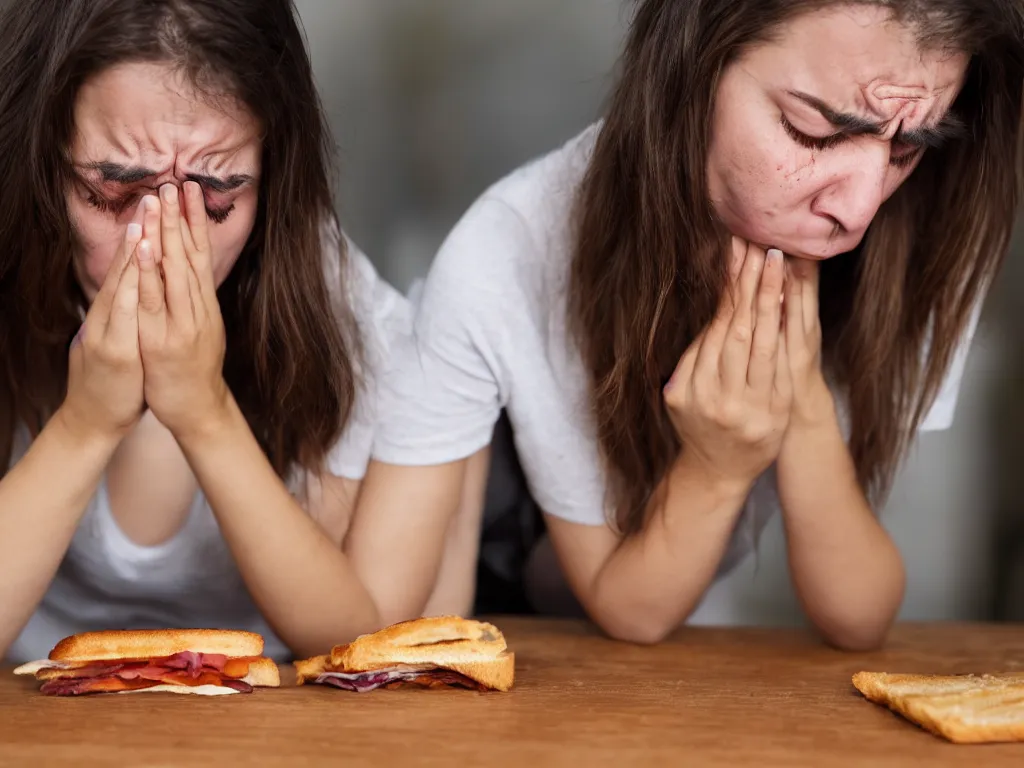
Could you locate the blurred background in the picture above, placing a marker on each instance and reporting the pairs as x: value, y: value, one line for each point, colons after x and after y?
x: 433, y: 100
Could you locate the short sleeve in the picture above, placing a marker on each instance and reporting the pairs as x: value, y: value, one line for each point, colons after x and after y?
x: 384, y: 319
x: 444, y: 392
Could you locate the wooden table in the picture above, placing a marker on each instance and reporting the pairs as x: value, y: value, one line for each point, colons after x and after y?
x: 706, y: 697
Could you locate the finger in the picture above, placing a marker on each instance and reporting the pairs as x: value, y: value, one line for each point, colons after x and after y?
x: 151, y: 225
x: 186, y: 236
x: 151, y: 286
x: 737, y: 256
x: 765, y: 344
x: 99, y: 313
x: 782, y: 392
x: 738, y: 340
x: 200, y: 254
x: 123, y: 330
x: 200, y: 310
x: 175, y: 261
x: 682, y: 378
x: 712, y: 338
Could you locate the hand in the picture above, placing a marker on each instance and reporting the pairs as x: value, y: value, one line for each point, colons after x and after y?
x: 105, y: 380
x: 812, y: 400
x: 730, y: 395
x: 181, y: 331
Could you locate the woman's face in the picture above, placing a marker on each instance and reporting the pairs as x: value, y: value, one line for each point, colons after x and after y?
x: 139, y: 126
x: 814, y: 131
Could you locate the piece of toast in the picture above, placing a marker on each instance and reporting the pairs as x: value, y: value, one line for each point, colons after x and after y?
x: 437, y: 640
x: 965, y: 709
x: 153, y: 644
x: 474, y: 649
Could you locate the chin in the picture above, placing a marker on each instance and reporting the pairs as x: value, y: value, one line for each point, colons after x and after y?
x: 818, y: 250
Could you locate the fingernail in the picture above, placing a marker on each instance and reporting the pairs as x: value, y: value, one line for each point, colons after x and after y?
x: 152, y: 204
x: 134, y: 231
x: 145, y: 251
x: 774, y: 254
x: 170, y: 193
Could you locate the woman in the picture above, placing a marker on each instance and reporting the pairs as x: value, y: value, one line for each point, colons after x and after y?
x: 743, y: 291
x: 195, y: 459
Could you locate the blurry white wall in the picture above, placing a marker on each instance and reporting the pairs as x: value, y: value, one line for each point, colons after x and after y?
x: 432, y: 100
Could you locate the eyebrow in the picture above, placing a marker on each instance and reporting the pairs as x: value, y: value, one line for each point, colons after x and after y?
x: 126, y: 174
x: 950, y: 127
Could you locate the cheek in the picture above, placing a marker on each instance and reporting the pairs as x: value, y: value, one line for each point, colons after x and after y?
x: 98, y: 238
x: 229, y: 238
x: 759, y: 176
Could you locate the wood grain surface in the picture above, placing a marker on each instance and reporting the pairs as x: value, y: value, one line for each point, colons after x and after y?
x: 706, y: 697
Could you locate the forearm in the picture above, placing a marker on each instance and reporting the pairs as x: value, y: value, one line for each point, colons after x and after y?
x: 846, y: 570
x: 302, y: 582
x: 42, y: 500
x: 655, y: 579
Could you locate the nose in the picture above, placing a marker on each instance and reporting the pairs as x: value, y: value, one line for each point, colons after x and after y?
x: 856, y: 190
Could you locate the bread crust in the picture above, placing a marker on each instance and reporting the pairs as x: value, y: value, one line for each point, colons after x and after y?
x: 427, y: 640
x: 263, y: 673
x: 142, y: 644
x: 308, y: 670
x: 475, y: 649
x: 964, y: 709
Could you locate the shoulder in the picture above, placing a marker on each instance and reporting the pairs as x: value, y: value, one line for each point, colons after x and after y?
x: 516, y: 236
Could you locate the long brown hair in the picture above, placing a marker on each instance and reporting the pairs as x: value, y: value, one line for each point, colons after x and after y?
x: 291, y: 360
x: 648, y: 266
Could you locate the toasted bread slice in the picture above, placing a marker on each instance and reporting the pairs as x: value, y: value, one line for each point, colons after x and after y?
x: 263, y: 673
x: 497, y: 673
x: 437, y: 640
x: 144, y: 644
x: 474, y: 649
x: 965, y: 709
x: 307, y: 670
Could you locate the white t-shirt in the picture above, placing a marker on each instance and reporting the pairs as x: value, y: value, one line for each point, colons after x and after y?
x: 490, y: 333
x: 106, y: 581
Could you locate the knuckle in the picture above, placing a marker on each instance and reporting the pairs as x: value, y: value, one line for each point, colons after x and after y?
x: 762, y: 352
x: 118, y: 360
x: 740, y: 332
x: 674, y: 398
x: 91, y: 346
x: 755, y: 431
x: 728, y: 413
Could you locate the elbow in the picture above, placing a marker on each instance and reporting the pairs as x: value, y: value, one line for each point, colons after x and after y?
x: 622, y: 617
x: 638, y: 634
x: 639, y: 629
x: 856, y: 639
x: 853, y: 643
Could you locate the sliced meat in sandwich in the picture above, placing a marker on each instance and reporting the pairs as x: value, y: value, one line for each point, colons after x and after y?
x: 200, y: 661
x: 437, y: 652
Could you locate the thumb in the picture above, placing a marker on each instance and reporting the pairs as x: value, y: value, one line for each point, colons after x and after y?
x: 151, y: 286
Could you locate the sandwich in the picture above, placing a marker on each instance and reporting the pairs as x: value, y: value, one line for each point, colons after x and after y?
x: 437, y: 652
x: 207, y: 662
x: 964, y: 709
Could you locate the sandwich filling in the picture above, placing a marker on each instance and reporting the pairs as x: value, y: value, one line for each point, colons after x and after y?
x: 186, y: 668
x: 427, y: 676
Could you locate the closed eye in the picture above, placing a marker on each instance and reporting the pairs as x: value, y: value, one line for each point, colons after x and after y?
x: 900, y: 158
x: 812, y: 142
x: 120, y: 205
